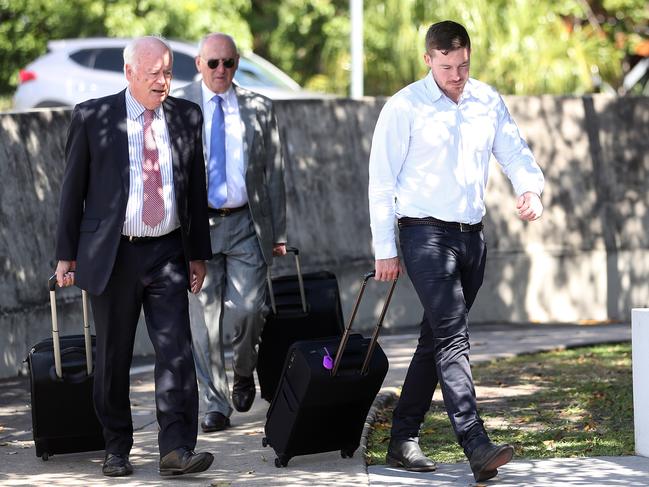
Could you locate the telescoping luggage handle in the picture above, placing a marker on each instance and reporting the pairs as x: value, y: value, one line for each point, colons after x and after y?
x: 377, y: 328
x: 55, y: 330
x: 300, y: 281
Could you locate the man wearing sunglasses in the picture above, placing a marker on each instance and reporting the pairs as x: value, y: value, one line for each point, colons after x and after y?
x: 247, y: 209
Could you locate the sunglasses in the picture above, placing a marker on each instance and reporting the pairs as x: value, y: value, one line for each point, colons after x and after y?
x: 214, y: 63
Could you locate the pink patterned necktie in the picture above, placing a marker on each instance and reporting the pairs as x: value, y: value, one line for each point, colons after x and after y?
x: 153, y: 207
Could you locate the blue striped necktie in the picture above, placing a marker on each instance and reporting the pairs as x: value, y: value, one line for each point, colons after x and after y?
x: 217, y: 191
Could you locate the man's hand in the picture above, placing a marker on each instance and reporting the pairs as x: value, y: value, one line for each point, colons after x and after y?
x: 387, y: 269
x: 197, y: 271
x: 65, y: 272
x: 279, y: 249
x: 529, y: 206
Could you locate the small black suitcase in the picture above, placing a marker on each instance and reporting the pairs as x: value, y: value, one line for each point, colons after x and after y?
x: 321, y: 403
x: 303, y: 307
x: 61, y: 376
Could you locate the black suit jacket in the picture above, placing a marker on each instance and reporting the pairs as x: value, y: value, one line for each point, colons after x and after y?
x: 96, y: 182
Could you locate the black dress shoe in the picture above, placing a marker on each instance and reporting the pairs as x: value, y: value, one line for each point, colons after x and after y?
x: 183, y: 460
x: 243, y: 392
x: 407, y: 454
x: 116, y: 465
x: 486, y: 459
x: 214, y: 421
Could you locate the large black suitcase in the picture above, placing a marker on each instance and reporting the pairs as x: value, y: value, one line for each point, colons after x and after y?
x: 321, y: 403
x: 303, y: 307
x: 61, y: 376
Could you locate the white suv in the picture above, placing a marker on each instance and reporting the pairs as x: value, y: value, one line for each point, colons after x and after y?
x: 74, y: 70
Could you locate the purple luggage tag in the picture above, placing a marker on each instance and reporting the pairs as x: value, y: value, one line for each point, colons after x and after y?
x: 327, y: 361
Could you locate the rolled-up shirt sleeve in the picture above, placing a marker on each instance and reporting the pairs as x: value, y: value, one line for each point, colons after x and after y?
x: 387, y: 155
x: 515, y: 157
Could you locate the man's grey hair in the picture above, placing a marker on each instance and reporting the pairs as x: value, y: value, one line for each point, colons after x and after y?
x: 130, y: 50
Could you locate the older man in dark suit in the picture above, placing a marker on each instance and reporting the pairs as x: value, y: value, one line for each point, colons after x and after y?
x: 133, y: 231
x: 247, y: 210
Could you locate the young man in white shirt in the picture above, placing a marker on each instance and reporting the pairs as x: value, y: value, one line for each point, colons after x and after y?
x: 428, y: 168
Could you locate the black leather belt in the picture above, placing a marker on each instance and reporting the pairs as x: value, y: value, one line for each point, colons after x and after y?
x: 224, y: 211
x: 407, y: 221
x: 134, y: 240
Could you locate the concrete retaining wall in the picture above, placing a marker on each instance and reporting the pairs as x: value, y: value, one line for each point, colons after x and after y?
x: 587, y: 259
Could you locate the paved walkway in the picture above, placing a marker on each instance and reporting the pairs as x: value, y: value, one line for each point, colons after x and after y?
x: 240, y: 460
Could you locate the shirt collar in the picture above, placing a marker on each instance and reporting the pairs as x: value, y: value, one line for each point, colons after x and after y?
x: 469, y: 90
x: 432, y: 88
x: 209, y: 94
x: 134, y: 109
x: 436, y: 93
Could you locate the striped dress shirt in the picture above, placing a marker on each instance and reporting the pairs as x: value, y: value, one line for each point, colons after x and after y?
x: 133, y: 224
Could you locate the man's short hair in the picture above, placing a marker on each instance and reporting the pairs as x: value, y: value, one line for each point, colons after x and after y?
x: 447, y: 36
x: 131, y: 48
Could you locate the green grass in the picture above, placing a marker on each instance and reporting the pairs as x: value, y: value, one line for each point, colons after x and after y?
x: 570, y: 403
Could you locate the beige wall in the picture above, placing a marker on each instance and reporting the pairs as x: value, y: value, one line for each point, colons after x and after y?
x: 585, y: 260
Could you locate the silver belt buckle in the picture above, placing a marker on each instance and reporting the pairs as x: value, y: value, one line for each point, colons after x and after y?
x: 465, y: 227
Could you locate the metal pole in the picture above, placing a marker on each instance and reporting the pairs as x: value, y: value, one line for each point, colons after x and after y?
x: 356, y: 38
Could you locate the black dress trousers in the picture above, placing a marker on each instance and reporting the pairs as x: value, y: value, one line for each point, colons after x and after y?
x: 150, y: 274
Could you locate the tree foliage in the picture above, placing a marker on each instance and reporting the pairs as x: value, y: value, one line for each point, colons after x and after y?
x: 27, y: 26
x: 519, y: 46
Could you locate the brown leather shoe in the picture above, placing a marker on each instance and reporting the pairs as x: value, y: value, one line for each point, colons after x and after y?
x: 486, y: 459
x: 116, y: 465
x: 243, y: 392
x: 182, y: 461
x: 215, y: 421
x: 407, y: 454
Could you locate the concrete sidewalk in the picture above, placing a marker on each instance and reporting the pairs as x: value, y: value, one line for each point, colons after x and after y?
x: 240, y: 459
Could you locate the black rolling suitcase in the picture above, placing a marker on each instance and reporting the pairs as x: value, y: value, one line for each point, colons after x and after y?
x: 61, y: 376
x: 321, y: 403
x: 303, y: 307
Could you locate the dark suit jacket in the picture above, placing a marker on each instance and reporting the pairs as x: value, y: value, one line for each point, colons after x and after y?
x: 96, y: 182
x: 264, y: 163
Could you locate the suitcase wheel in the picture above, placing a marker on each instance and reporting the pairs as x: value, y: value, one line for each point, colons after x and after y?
x: 347, y: 453
x: 264, y: 442
x: 45, y: 457
x: 281, y: 461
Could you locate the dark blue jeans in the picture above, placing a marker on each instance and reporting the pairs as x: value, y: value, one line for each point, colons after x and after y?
x: 446, y: 268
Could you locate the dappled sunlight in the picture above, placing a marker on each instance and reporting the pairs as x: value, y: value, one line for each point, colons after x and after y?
x: 601, y: 471
x: 569, y: 263
x: 593, y: 159
x: 240, y: 458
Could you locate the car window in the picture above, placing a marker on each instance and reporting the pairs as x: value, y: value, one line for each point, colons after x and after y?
x: 110, y: 59
x: 85, y: 57
x: 184, y: 67
x: 252, y: 75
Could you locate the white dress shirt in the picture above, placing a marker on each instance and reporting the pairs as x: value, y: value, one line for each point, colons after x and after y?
x: 430, y: 157
x: 133, y: 224
x: 235, y: 172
